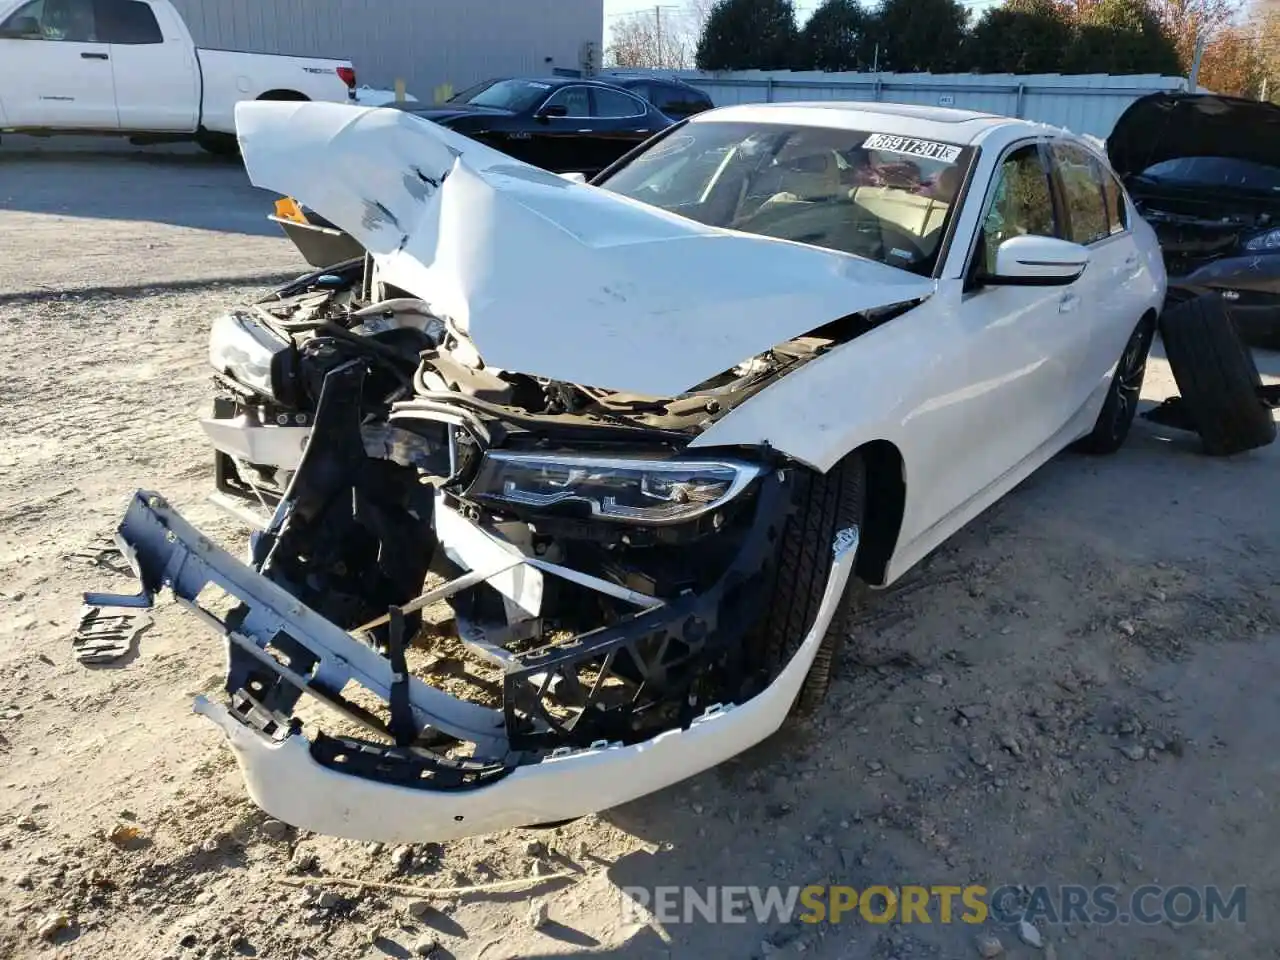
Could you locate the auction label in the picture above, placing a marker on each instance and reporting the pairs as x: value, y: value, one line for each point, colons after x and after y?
x: 910, y: 146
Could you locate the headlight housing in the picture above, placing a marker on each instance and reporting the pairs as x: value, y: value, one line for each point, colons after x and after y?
x: 244, y: 349
x: 619, y: 489
x: 1264, y: 241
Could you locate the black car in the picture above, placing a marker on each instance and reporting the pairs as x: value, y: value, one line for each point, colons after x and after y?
x: 560, y: 124
x: 673, y: 97
x: 1204, y: 170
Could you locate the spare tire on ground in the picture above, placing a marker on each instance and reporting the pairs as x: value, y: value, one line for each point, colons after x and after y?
x: 1216, y: 376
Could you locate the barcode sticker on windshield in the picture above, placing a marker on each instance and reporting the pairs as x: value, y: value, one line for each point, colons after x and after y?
x: 928, y: 149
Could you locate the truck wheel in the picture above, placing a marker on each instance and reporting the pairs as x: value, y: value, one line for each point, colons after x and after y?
x: 1216, y: 376
x: 1116, y: 417
x: 218, y: 144
x: 822, y: 505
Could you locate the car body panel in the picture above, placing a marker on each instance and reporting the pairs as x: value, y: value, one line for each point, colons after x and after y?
x: 465, y: 248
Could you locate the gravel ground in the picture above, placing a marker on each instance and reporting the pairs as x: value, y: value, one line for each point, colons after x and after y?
x: 1078, y: 689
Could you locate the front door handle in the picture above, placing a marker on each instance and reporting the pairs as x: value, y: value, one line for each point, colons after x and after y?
x: 1068, y: 302
x: 93, y: 56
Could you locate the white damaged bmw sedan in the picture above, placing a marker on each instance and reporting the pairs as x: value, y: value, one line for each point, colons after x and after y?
x: 622, y: 447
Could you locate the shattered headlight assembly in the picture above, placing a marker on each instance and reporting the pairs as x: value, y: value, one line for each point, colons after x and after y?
x: 1264, y: 241
x: 621, y: 489
x: 245, y: 350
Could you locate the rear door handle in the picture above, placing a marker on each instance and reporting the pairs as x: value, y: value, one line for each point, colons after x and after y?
x: 1068, y: 302
x: 93, y: 56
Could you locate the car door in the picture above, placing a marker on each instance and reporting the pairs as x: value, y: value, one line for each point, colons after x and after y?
x: 1110, y: 298
x: 156, y: 82
x: 560, y: 139
x: 999, y: 393
x: 619, y: 122
x: 54, y: 70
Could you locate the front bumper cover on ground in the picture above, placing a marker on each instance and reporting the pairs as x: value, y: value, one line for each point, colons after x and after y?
x: 371, y: 792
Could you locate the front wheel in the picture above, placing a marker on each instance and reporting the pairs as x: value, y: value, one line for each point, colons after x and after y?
x: 822, y: 506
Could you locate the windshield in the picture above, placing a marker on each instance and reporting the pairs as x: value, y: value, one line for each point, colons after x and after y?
x: 887, y: 198
x: 1216, y: 172
x: 513, y: 95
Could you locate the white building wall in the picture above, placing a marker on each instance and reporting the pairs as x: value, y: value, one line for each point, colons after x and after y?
x: 428, y: 43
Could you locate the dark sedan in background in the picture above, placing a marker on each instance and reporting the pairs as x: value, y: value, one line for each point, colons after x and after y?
x: 1204, y: 170
x: 673, y: 97
x: 560, y: 124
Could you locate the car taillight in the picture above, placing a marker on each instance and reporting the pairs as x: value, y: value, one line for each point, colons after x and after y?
x: 348, y: 76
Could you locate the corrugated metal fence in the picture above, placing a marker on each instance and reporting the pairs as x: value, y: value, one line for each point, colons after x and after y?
x: 1088, y: 103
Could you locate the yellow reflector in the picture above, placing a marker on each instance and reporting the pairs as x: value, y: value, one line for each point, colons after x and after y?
x: 288, y: 209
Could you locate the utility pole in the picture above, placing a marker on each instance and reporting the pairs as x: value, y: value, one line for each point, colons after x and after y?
x: 657, y: 20
x: 1195, y: 64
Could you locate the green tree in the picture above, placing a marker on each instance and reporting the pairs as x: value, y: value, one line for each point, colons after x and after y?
x: 836, y: 38
x: 749, y: 35
x: 1020, y: 36
x: 921, y: 35
x: 1121, y: 36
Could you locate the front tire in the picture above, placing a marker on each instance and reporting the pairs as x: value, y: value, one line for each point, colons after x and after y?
x: 822, y: 505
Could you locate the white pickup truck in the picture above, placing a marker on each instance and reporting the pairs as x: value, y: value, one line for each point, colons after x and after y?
x: 130, y: 68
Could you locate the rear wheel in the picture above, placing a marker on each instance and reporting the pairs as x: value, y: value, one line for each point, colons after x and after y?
x: 1116, y: 416
x: 823, y: 505
x: 1216, y: 376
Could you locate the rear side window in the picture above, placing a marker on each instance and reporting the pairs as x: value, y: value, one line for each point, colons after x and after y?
x: 676, y: 101
x: 642, y: 90
x: 126, y: 21
x: 1082, y: 178
x: 615, y: 103
x: 1117, y: 215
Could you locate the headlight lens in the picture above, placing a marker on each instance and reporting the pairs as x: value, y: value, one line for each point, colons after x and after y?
x: 243, y: 348
x: 1265, y: 241
x: 622, y: 489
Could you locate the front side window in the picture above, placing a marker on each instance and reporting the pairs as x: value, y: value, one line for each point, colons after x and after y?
x: 615, y: 103
x: 1022, y: 204
x: 127, y: 21
x: 1081, y: 176
x: 70, y: 20
x: 886, y: 198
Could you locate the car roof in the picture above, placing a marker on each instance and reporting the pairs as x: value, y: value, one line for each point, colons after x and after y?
x: 558, y: 81
x: 904, y: 119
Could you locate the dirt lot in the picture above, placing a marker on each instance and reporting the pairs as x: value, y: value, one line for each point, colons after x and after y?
x: 983, y: 729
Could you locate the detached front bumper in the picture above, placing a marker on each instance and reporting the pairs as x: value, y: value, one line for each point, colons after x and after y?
x: 368, y: 791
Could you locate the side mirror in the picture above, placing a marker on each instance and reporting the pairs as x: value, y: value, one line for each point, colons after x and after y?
x: 555, y: 110
x: 1031, y: 261
x: 22, y: 28
x: 575, y: 177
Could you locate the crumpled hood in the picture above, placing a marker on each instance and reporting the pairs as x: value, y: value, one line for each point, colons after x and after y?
x: 1167, y: 126
x: 546, y: 276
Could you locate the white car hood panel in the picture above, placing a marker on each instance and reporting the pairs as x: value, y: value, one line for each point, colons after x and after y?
x: 547, y: 276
